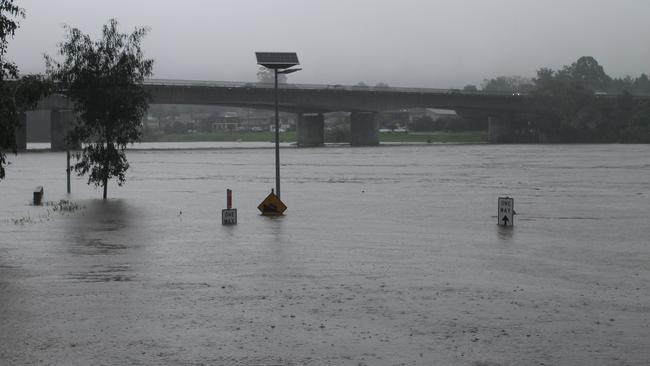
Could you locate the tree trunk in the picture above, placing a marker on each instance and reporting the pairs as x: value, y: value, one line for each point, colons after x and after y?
x: 105, y: 186
x: 107, y: 161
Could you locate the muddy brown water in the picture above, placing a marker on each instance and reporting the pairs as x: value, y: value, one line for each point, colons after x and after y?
x: 386, y: 256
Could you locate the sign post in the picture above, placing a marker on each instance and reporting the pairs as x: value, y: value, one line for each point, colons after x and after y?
x: 280, y: 63
x: 38, y: 196
x: 506, y: 211
x: 229, y: 214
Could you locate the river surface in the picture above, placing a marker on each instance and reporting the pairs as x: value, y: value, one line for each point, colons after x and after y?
x: 386, y: 256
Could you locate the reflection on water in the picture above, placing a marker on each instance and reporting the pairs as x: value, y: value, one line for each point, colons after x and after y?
x: 107, y: 215
x: 95, y: 247
x: 505, y: 233
x: 100, y: 273
x: 103, y: 227
x: 102, y: 240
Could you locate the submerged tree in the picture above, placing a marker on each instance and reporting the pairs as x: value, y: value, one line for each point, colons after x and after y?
x: 104, y: 79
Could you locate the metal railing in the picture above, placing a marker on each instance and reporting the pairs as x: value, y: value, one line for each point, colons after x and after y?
x: 329, y: 87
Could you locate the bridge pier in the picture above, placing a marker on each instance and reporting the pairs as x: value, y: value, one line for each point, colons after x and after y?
x: 497, y: 130
x: 364, y: 129
x: 311, y: 129
x: 21, y: 132
x: 60, y: 120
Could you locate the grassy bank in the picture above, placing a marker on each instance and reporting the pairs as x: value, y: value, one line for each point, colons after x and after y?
x: 423, y: 137
x: 435, y: 137
x: 227, y: 136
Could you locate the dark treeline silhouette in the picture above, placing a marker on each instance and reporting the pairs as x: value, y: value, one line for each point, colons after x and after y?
x: 18, y: 93
x: 578, y: 103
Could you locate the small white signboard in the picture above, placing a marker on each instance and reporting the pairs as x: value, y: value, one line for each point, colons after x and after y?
x: 229, y: 216
x: 506, y: 211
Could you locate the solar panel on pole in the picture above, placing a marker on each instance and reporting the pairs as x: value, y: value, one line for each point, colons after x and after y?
x: 280, y: 63
x: 277, y: 60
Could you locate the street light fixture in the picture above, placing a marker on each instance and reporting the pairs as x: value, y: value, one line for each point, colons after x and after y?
x: 280, y: 63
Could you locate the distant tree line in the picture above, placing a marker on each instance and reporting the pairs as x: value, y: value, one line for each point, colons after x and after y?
x: 578, y: 103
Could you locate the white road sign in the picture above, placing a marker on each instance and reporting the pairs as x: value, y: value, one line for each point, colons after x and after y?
x: 506, y: 211
x: 229, y: 216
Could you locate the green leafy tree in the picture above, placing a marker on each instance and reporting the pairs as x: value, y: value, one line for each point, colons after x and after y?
x: 641, y: 85
x: 104, y: 79
x: 16, y: 93
x: 634, y: 86
x: 571, y: 105
x: 560, y: 106
x: 470, y: 88
x: 8, y: 115
x: 587, y: 73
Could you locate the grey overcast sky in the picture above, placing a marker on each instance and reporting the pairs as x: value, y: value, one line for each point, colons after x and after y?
x: 429, y: 43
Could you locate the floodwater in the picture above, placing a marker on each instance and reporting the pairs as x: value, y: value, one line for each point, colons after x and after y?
x: 386, y: 256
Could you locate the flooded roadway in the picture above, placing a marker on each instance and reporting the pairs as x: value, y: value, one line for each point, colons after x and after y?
x: 386, y: 256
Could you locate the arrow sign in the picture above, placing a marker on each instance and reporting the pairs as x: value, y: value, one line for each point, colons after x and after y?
x: 505, y: 211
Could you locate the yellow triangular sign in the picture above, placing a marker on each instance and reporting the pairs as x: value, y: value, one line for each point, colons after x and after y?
x: 272, y: 205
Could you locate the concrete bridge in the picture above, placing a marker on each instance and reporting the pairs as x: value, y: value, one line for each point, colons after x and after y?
x: 308, y: 101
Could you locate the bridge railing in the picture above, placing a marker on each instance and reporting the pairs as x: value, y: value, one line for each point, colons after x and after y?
x: 233, y: 84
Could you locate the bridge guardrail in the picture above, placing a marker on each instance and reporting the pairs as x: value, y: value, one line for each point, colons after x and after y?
x: 233, y: 84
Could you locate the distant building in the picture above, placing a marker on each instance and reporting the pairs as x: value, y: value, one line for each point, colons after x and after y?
x: 284, y: 126
x: 230, y: 121
x: 392, y: 120
x: 333, y: 119
x: 38, y: 126
x: 255, y: 120
x: 433, y: 113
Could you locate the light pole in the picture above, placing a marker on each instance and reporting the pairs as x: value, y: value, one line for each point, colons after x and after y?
x: 277, y: 129
x: 280, y: 63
